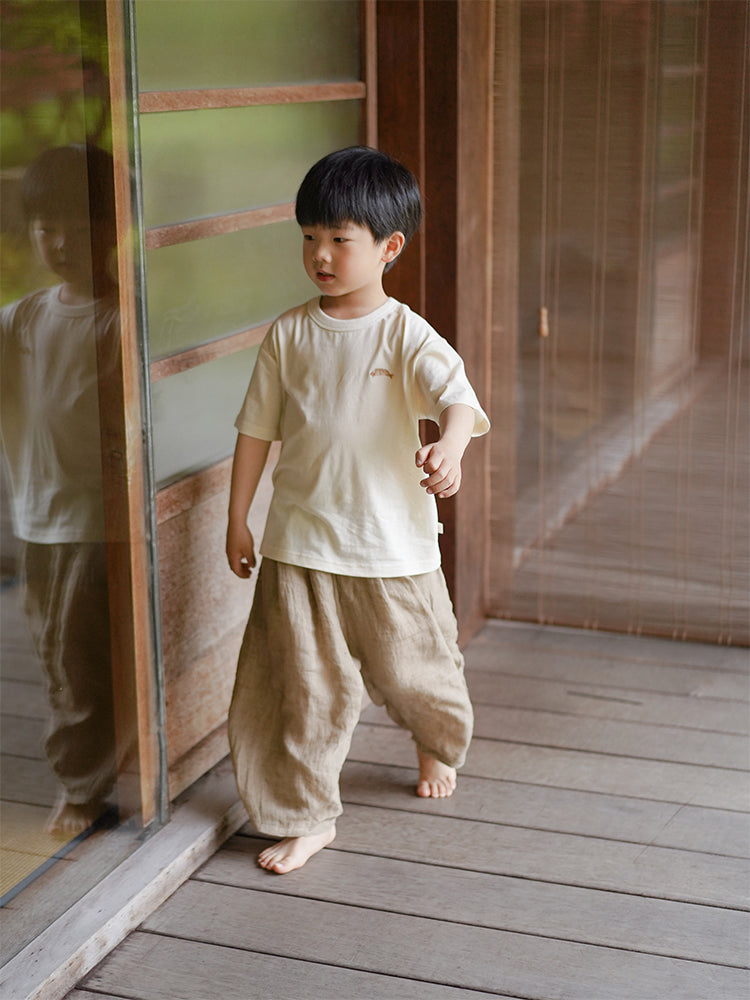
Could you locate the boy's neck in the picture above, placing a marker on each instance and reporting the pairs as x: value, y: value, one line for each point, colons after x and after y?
x: 354, y: 305
x: 81, y: 293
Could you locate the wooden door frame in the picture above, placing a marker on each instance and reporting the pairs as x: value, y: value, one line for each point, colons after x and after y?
x: 434, y: 99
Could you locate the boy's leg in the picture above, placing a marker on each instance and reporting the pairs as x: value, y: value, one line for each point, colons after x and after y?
x: 296, y: 702
x: 404, y: 632
x: 68, y: 615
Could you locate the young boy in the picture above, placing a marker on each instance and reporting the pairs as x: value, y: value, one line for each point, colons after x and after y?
x: 56, y: 344
x: 350, y: 589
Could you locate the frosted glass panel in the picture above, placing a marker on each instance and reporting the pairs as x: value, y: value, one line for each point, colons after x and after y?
x: 199, y: 163
x: 245, y: 43
x: 194, y: 414
x: 204, y: 290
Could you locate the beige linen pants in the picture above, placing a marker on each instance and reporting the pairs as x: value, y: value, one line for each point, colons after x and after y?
x: 311, y: 641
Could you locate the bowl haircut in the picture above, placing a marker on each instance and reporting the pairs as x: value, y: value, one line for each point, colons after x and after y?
x: 363, y: 186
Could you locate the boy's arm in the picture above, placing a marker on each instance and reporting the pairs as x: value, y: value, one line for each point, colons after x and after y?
x: 250, y: 456
x: 441, y: 460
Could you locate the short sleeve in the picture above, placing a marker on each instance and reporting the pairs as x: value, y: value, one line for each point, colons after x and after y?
x: 441, y: 381
x: 261, y: 412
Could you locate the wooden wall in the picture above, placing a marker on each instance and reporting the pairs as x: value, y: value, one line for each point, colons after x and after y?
x: 204, y: 609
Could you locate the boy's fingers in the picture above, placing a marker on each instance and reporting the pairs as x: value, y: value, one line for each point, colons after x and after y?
x: 422, y: 454
x: 241, y: 564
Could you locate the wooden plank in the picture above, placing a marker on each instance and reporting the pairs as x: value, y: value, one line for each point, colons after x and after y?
x: 86, y: 995
x: 216, y: 225
x: 473, y: 292
x: 636, y: 648
x: 568, y: 859
x: 654, y: 926
x: 90, y: 926
x: 621, y: 674
x: 369, y: 60
x: 429, y: 950
x: 222, y: 348
x: 706, y: 714
x: 713, y: 749
x: 558, y: 810
x: 627, y: 739
x: 505, y: 297
x: 22, y: 737
x: 162, y: 968
x: 150, y: 101
x: 25, y: 779
x: 714, y: 788
x: 24, y: 699
x: 129, y: 570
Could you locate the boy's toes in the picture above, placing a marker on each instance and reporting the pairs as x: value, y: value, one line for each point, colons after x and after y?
x: 436, y: 780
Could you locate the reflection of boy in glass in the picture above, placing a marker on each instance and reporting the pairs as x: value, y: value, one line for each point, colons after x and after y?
x: 56, y: 345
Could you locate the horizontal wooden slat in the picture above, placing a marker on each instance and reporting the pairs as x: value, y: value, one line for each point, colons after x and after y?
x: 185, y: 360
x: 713, y: 787
x: 557, y: 810
x: 616, y: 673
x: 165, y: 968
x: 661, y: 872
x: 246, y: 97
x: 217, y: 225
x: 540, y: 908
x: 183, y: 495
x: 460, y: 956
x: 717, y: 715
x: 589, y: 644
x: 603, y: 736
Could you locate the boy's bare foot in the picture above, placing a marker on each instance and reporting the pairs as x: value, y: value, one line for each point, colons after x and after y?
x: 436, y: 780
x: 293, y: 852
x: 68, y: 819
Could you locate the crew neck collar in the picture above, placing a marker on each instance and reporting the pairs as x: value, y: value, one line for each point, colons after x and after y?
x: 332, y: 323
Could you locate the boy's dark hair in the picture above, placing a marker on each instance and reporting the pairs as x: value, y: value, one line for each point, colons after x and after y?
x: 364, y: 186
x: 75, y: 179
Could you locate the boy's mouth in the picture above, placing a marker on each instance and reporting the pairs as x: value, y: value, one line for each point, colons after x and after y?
x: 323, y: 275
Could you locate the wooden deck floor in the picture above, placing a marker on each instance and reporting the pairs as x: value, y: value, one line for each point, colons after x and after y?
x: 597, y: 848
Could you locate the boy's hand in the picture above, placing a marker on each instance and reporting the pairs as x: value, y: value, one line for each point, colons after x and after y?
x: 442, y: 463
x: 240, y: 550
x: 442, y: 460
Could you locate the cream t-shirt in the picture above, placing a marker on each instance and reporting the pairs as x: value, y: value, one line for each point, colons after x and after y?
x: 345, y: 398
x: 49, y: 414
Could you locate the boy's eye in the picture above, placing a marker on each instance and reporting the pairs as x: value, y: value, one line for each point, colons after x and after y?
x: 340, y: 239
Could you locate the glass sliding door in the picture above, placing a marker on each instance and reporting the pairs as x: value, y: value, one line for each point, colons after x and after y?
x: 78, y: 751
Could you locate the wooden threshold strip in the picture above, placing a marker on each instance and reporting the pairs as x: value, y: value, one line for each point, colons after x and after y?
x: 182, y: 362
x: 247, y: 97
x: 217, y: 225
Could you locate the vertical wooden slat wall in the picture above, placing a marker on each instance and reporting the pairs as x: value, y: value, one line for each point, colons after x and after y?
x: 435, y: 70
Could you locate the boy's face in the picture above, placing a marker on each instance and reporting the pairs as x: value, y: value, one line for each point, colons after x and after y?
x: 345, y: 259
x: 63, y: 244
x: 71, y: 246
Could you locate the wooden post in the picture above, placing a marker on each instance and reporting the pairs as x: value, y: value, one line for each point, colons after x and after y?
x: 128, y: 562
x: 505, y: 253
x: 435, y: 66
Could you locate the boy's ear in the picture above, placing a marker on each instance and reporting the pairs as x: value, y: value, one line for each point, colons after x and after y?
x: 394, y: 244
